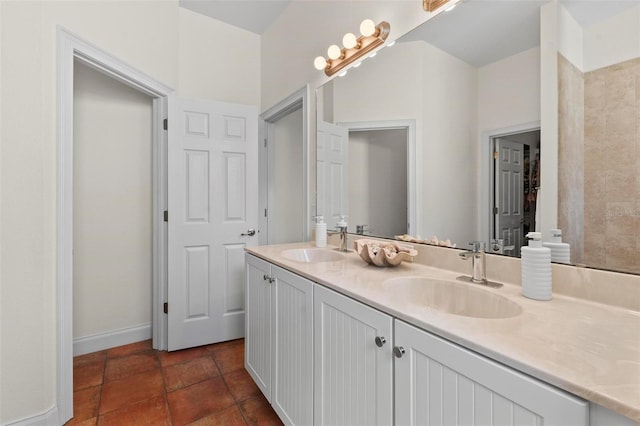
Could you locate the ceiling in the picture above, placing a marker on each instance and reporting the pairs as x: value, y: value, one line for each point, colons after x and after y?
x: 252, y: 15
x: 481, y: 32
x: 492, y: 18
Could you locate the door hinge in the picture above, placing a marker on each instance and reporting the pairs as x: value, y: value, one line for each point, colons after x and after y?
x: 165, y: 124
x: 265, y: 212
x: 495, y: 210
x: 166, y: 216
x: 166, y: 307
x: 495, y: 155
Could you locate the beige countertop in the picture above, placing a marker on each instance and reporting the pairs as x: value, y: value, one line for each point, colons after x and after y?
x: 588, y: 349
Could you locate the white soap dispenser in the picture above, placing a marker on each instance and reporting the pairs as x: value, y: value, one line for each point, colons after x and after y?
x: 560, y: 252
x: 342, y: 223
x: 536, y: 269
x: 321, y: 232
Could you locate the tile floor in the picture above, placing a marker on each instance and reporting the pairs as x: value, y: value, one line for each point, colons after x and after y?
x: 136, y: 385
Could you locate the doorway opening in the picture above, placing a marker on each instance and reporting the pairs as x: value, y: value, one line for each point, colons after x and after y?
x: 378, y: 184
x: 284, y: 171
x: 71, y: 49
x: 514, y: 190
x: 112, y: 211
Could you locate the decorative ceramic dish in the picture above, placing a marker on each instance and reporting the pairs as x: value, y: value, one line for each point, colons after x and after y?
x: 383, y: 253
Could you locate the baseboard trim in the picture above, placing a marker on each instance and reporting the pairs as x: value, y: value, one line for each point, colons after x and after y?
x: 110, y: 339
x: 47, y: 418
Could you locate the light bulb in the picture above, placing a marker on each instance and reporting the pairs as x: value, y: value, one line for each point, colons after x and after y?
x: 367, y: 28
x: 349, y: 40
x: 334, y: 52
x: 320, y: 63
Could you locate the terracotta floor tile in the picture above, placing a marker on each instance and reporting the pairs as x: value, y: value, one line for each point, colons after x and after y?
x: 231, y: 416
x: 257, y: 411
x: 230, y: 358
x: 132, y: 348
x: 122, y: 393
x: 177, y: 357
x: 91, y: 358
x: 241, y: 385
x: 88, y: 422
x: 85, y: 405
x: 88, y: 375
x: 199, y: 400
x: 222, y: 345
x: 187, y: 373
x: 152, y: 412
x: 124, y: 366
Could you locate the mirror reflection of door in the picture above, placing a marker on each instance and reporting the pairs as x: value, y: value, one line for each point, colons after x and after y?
x: 378, y: 181
x: 516, y: 182
x: 332, y: 174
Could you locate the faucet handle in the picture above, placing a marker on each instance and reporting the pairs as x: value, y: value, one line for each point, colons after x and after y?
x: 477, y: 246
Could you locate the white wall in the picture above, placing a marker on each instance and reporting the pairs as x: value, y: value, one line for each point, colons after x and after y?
x: 217, y: 61
x: 509, y: 91
x: 613, y: 40
x: 112, y: 205
x: 570, y: 38
x: 447, y: 166
x: 147, y: 35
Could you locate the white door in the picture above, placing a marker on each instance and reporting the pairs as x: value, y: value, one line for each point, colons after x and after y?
x: 258, y: 340
x: 292, y: 334
x: 440, y: 383
x: 508, y: 193
x: 212, y: 206
x: 353, y: 366
x: 332, y: 172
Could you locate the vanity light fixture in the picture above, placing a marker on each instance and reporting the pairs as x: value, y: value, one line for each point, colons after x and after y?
x: 431, y: 5
x: 354, y: 48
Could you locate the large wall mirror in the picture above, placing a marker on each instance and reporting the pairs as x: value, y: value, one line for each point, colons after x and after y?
x: 439, y: 136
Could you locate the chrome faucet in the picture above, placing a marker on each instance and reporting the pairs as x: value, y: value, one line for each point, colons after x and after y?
x: 342, y: 230
x: 478, y: 263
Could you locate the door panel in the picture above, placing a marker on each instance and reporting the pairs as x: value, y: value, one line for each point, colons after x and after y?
x: 332, y: 172
x: 509, y: 187
x: 212, y: 200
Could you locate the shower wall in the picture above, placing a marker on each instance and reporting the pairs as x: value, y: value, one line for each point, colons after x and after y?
x: 610, y: 125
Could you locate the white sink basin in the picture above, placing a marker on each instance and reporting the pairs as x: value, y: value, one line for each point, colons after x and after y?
x: 452, y: 297
x: 312, y: 255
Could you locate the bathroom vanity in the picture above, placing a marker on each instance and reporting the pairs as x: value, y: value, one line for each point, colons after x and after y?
x: 333, y: 340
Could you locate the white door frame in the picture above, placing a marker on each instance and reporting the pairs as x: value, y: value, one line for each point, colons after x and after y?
x: 298, y: 99
x: 486, y: 173
x: 70, y: 48
x: 410, y: 126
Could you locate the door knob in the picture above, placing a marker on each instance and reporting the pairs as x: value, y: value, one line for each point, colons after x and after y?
x: 398, y: 351
x: 250, y: 232
x: 380, y: 341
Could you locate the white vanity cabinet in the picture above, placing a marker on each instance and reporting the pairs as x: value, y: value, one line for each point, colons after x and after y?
x: 279, y: 339
x: 438, y: 382
x: 353, y: 377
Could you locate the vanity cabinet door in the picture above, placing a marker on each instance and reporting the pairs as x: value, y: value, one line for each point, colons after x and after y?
x: 258, y: 334
x: 438, y: 382
x: 292, y: 380
x: 353, y: 375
